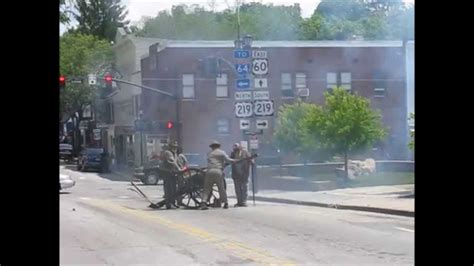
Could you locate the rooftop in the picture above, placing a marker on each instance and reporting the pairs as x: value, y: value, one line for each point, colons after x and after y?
x: 276, y: 44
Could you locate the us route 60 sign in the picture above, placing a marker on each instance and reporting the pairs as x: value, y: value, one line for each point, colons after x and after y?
x: 260, y: 66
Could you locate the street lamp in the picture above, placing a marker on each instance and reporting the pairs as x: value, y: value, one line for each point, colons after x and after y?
x: 238, y: 44
x: 247, y: 41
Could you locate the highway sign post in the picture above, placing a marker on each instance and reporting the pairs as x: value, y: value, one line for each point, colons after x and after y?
x: 260, y: 83
x: 241, y: 54
x: 243, y: 96
x: 242, y: 69
x: 260, y: 66
x: 262, y: 124
x: 261, y: 95
x: 243, y: 109
x: 263, y: 108
x: 242, y: 84
x: 244, y: 124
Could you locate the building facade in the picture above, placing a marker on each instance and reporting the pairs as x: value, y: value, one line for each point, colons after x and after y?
x: 124, y: 141
x: 204, y: 107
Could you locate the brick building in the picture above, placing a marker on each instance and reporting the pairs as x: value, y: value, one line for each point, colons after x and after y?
x: 205, y: 106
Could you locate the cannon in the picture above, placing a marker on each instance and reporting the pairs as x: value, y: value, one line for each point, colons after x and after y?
x: 190, y: 185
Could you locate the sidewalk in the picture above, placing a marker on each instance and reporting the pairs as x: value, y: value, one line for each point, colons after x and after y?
x: 381, y: 199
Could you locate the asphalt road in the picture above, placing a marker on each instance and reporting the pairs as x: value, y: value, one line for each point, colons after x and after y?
x: 101, y: 222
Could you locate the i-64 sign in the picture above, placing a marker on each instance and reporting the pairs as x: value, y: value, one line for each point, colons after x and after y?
x: 260, y: 66
x: 263, y: 108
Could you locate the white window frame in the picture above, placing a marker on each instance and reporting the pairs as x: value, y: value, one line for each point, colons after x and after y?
x: 221, y: 125
x: 300, y: 80
x: 222, y: 86
x: 188, y: 86
x: 286, y: 84
x: 346, y: 80
x: 331, y: 80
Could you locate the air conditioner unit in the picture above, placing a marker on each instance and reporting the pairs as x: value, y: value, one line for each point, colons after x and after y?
x: 303, y: 92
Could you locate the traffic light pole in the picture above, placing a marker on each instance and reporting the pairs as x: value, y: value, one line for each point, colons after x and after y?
x: 143, y: 87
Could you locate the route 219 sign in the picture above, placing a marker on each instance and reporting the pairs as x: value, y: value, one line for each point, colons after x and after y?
x: 263, y: 108
x: 243, y: 109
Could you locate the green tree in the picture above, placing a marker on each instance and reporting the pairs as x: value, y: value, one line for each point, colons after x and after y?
x: 80, y: 55
x: 346, y: 123
x: 350, y: 10
x: 400, y: 22
x: 342, y: 20
x: 290, y: 133
x: 63, y: 17
x: 100, y: 18
x: 263, y: 22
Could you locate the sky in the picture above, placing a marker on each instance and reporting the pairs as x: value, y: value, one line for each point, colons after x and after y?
x: 139, y: 8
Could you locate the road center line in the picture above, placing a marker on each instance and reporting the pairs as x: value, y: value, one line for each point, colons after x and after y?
x: 405, y: 229
x: 236, y: 248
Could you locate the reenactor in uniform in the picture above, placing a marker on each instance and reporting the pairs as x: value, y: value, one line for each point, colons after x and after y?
x: 240, y: 174
x: 183, y: 164
x: 169, y: 166
x: 216, y: 161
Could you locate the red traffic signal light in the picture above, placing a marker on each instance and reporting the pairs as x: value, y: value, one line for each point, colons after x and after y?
x: 169, y: 125
x: 108, y: 81
x: 62, y: 80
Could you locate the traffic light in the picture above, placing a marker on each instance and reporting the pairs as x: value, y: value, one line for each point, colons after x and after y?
x: 62, y: 82
x: 169, y: 125
x: 108, y: 81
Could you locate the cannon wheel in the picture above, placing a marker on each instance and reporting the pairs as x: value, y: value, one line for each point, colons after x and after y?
x: 192, y: 196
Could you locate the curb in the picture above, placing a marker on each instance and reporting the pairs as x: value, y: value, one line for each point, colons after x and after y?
x: 336, y: 206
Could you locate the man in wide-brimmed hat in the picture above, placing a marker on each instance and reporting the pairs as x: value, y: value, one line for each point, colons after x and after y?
x: 216, y: 161
x: 169, y: 166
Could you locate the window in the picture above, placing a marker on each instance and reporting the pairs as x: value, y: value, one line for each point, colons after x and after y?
x: 286, y: 88
x: 188, y: 86
x: 300, y: 80
x: 221, y: 86
x: 379, y: 92
x: 379, y: 84
x: 223, y: 126
x: 346, y: 80
x: 331, y: 80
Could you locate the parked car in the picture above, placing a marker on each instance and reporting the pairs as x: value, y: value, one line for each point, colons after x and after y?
x: 65, y: 181
x: 94, y: 159
x: 149, y: 174
x: 65, y: 152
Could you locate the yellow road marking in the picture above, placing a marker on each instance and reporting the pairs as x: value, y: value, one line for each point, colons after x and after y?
x: 235, y: 248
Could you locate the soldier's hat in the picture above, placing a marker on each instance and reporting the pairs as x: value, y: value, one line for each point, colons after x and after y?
x: 215, y: 143
x: 173, y: 144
